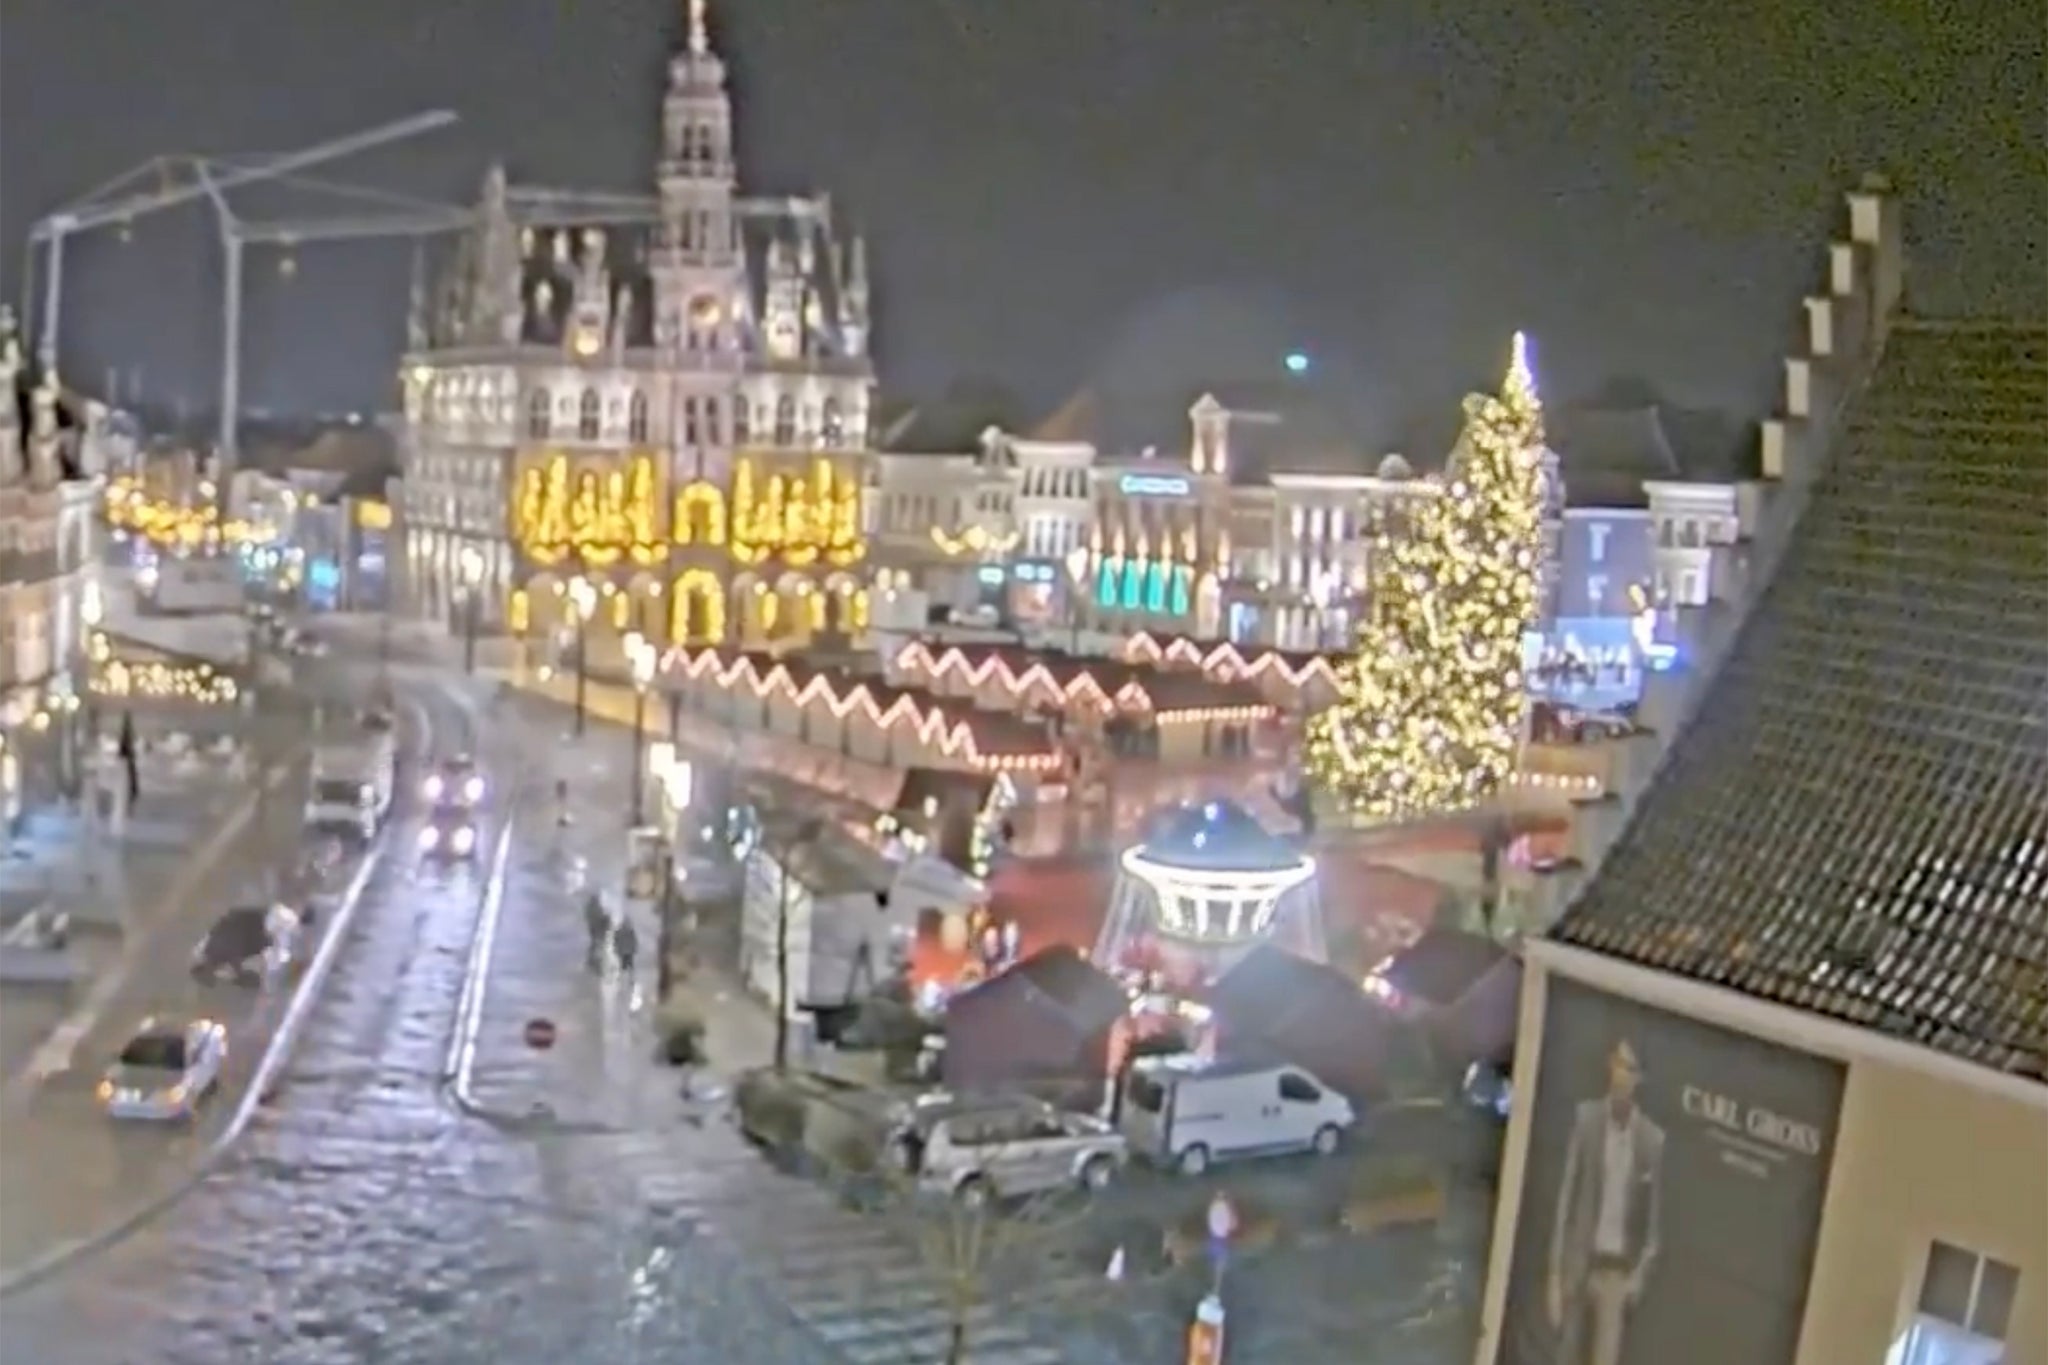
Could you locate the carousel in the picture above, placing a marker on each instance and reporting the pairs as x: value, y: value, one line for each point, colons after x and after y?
x: 1206, y: 885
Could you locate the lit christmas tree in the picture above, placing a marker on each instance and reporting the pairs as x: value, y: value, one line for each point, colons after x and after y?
x: 1430, y: 711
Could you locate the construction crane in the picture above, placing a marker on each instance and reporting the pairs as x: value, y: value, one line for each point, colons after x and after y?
x: 183, y: 180
x: 526, y: 207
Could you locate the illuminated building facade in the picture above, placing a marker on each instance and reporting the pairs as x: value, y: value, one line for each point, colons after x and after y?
x: 993, y: 535
x: 677, y: 414
x: 1261, y: 534
x: 49, y: 500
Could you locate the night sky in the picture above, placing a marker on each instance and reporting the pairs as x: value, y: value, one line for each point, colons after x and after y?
x: 1061, y: 190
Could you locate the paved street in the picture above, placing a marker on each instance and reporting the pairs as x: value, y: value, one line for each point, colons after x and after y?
x: 364, y: 1217
x: 109, y: 886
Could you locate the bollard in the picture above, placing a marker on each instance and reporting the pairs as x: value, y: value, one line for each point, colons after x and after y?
x: 1205, y: 1333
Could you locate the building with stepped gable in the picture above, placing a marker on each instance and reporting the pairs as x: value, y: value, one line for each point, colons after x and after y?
x: 1781, y: 1095
x: 50, y: 442
x: 674, y: 414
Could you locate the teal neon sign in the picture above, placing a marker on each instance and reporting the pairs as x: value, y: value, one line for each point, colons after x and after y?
x: 1152, y: 486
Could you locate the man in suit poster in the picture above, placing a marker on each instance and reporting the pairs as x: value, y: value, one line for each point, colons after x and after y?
x: 1603, y: 1238
x: 1671, y: 1189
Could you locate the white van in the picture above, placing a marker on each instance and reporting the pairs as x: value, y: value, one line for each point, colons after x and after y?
x: 1185, y: 1111
x: 353, y: 783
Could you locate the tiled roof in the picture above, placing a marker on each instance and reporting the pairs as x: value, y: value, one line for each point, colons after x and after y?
x: 1856, y: 821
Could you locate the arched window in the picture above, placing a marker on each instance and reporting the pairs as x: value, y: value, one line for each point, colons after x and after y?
x: 742, y: 421
x: 636, y: 417
x: 539, y: 414
x: 785, y: 421
x: 835, y: 423
x: 589, y: 414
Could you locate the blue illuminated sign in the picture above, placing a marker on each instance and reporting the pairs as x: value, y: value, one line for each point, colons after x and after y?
x: 1153, y: 485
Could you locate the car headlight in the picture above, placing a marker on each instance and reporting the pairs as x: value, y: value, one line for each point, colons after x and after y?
x: 177, y: 1093
x: 433, y: 787
x: 106, y: 1091
x: 474, y: 789
x: 429, y: 837
x: 464, y: 840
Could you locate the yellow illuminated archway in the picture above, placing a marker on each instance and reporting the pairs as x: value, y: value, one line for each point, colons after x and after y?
x: 697, y: 609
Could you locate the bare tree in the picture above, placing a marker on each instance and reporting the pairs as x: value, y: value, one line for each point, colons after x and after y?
x: 967, y: 1249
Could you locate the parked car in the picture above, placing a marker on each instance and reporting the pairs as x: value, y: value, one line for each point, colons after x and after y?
x: 166, y: 1069
x: 1186, y: 1111
x: 980, y: 1149
x: 249, y: 945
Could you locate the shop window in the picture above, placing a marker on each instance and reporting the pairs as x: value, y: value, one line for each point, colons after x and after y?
x: 636, y: 418
x: 589, y: 416
x: 538, y: 414
x: 1964, y: 1311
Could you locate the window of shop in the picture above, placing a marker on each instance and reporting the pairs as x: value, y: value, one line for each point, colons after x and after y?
x: 1965, y: 1307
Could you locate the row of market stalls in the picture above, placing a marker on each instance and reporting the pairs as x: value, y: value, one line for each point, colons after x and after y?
x: 1059, y: 1025
x: 1025, y: 713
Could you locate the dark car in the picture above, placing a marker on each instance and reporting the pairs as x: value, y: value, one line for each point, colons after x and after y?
x: 249, y: 944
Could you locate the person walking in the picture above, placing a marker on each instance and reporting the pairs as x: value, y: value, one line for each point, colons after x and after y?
x: 597, y: 922
x: 130, y: 759
x: 625, y: 945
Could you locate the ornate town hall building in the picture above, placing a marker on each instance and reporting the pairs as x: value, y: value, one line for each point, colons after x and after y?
x: 649, y: 426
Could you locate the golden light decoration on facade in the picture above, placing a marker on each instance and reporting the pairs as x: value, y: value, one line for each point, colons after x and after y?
x: 697, y: 608
x: 798, y: 520
x: 975, y: 540
x: 174, y: 525
x: 596, y: 516
x: 199, y: 683
x: 519, y: 611
x: 698, y: 515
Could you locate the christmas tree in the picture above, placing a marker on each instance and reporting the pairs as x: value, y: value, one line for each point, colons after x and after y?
x: 1430, y: 710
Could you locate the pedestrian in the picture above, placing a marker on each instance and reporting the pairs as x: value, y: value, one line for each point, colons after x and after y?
x: 598, y: 923
x: 561, y: 803
x: 625, y: 945
x: 126, y: 748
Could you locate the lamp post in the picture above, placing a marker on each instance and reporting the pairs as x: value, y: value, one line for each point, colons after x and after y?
x: 470, y: 563
x: 583, y: 602
x: 674, y: 775
x: 640, y: 659
x: 81, y: 722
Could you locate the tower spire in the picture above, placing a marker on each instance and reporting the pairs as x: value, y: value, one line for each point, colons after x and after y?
x: 700, y: 35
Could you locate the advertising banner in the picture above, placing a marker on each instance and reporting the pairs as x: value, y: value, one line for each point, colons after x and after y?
x: 1673, y: 1190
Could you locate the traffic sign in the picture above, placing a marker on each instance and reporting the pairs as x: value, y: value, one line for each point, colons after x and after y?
x: 1222, y: 1218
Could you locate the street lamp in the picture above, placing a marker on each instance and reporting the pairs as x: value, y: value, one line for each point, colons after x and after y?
x: 583, y: 602
x: 674, y: 775
x: 92, y: 611
x: 471, y: 565
x: 640, y: 659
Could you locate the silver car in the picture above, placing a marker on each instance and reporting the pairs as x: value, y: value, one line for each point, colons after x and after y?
x: 167, y: 1068
x: 980, y: 1150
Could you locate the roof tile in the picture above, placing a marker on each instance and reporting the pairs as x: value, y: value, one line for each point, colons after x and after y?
x: 1856, y: 821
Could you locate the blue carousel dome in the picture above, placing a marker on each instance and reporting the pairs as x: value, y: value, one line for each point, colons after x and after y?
x: 1215, y: 836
